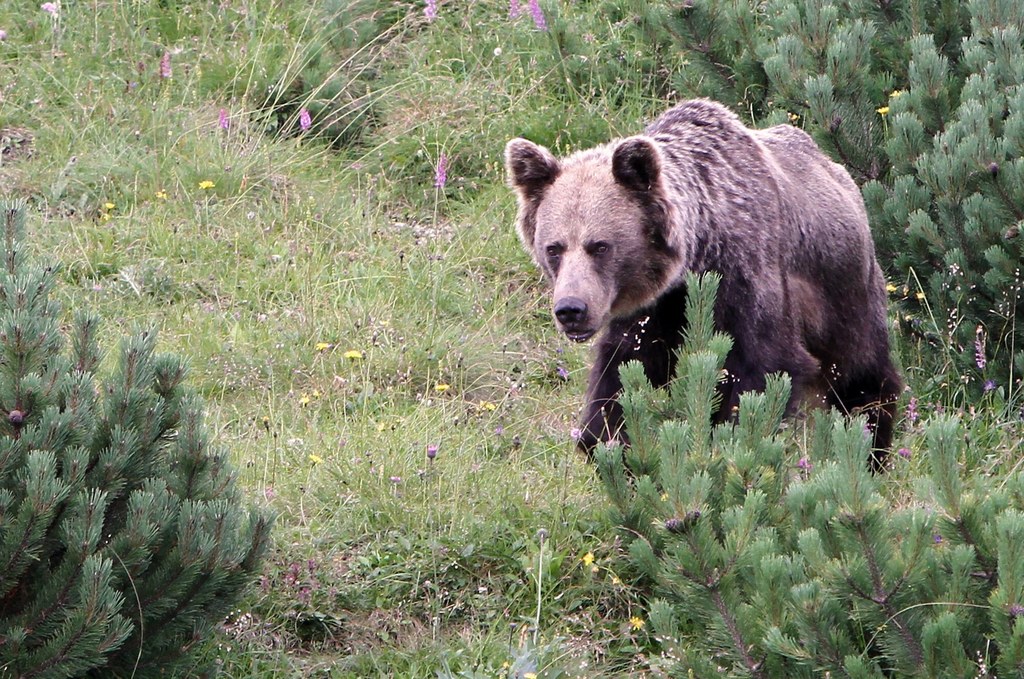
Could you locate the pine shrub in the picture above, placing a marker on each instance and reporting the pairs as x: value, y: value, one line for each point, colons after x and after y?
x: 123, y: 535
x: 762, y: 565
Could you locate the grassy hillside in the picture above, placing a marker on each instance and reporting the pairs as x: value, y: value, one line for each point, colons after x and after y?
x: 344, y: 310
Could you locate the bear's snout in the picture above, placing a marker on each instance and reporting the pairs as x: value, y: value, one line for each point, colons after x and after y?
x: 571, y: 314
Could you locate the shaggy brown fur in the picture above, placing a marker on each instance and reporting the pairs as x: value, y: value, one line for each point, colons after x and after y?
x: 615, y: 228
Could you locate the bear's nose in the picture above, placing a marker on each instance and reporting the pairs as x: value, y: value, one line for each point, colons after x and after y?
x: 571, y: 311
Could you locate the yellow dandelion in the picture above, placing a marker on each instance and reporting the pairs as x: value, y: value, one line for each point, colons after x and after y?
x: 883, y: 110
x: 588, y: 559
x: 664, y: 497
x: 322, y: 346
x: 353, y: 354
x: 206, y: 184
x: 920, y: 296
x: 304, y: 400
x: 315, y: 459
x: 488, y: 406
x: 162, y: 195
x: 615, y: 580
x: 105, y: 217
x: 895, y: 94
x: 109, y: 206
x: 793, y: 117
x: 442, y: 387
x: 890, y: 288
x: 636, y: 622
x: 316, y: 393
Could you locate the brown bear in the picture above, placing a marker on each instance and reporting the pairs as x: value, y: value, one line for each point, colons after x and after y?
x: 615, y: 229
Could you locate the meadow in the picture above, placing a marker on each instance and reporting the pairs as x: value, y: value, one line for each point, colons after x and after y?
x: 307, y: 200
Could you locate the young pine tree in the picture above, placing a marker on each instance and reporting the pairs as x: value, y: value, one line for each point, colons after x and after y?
x: 768, y: 556
x: 123, y: 535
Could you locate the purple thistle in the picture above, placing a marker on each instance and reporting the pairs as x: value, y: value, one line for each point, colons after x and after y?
x: 499, y: 430
x: 305, y: 121
x: 937, y: 538
x: 431, y: 451
x: 441, y: 171
x: 538, y: 15
x: 513, y: 9
x: 904, y: 453
x: 804, y: 464
x: 563, y: 373
x: 430, y: 11
x: 165, y: 66
x: 222, y: 119
x: 50, y: 8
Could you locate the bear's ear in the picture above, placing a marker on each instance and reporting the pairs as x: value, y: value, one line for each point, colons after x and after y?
x: 531, y: 168
x: 636, y: 164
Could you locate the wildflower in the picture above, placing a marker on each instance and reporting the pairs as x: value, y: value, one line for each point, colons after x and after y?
x: 896, y: 94
x: 575, y: 434
x: 497, y: 51
x: 206, y: 184
x: 937, y: 538
x: 513, y: 9
x: 304, y: 400
x: 912, y: 409
x: 890, y: 288
x: 432, y: 451
x: 979, y: 348
x: 269, y: 493
x: 305, y: 121
x: 3, y: 35
x: 919, y: 296
x: 322, y: 346
x: 162, y: 195
x: 442, y: 387
x: 636, y: 622
x: 488, y: 406
x: 315, y: 459
x: 804, y: 464
x: 904, y: 453
x: 353, y: 354
x: 615, y: 580
x: 530, y: 675
x: 222, y: 119
x: 108, y: 206
x: 588, y: 559
x: 563, y: 373
x: 883, y: 110
x: 395, y: 479
x: 441, y: 171
x: 499, y: 430
x: 538, y: 15
x: 430, y: 11
x: 989, y: 385
x: 793, y: 117
x: 1016, y: 610
x: 50, y: 8
x: 165, y: 66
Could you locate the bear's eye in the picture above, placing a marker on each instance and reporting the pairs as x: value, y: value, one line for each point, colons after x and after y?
x: 554, y: 251
x: 597, y: 249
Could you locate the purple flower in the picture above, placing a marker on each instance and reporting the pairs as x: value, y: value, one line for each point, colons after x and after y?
x: 50, y: 8
x: 441, y: 171
x: 499, y: 430
x: 3, y: 35
x: 431, y: 451
x: 563, y: 373
x: 538, y: 15
x: 165, y: 66
x: 305, y: 121
x: 937, y: 538
x: 912, y: 409
x: 222, y: 119
x: 513, y: 9
x: 1016, y: 610
x: 576, y: 433
x: 430, y: 11
x: 989, y: 385
x: 904, y: 453
x: 804, y: 464
x: 396, y: 479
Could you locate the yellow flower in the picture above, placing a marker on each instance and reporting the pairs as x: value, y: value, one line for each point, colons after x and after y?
x: 162, y: 195
x: 304, y: 400
x: 353, y: 354
x: 322, y: 346
x: 316, y: 393
x: 793, y: 117
x: 636, y: 622
x: 919, y: 295
x: 109, y: 206
x: 895, y: 94
x: 315, y: 459
x: 530, y: 675
x: 883, y: 111
x: 442, y: 387
x: 588, y: 558
x: 206, y: 184
x: 615, y: 580
x: 487, y: 405
x: 890, y: 288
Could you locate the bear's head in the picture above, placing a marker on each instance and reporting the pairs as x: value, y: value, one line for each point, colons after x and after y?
x: 598, y: 223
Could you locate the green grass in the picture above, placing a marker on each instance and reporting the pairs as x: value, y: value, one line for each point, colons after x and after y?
x: 312, y: 245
